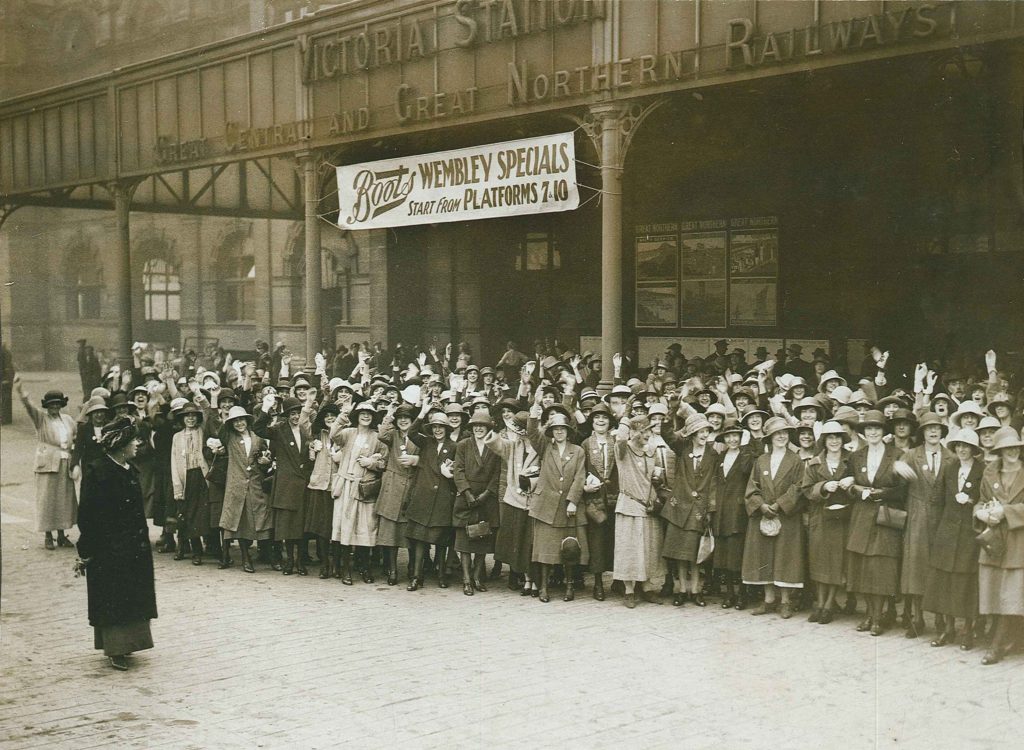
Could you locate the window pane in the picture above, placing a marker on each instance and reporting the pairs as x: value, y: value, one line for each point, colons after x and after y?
x: 536, y: 256
x: 247, y: 292
x: 173, y: 283
x: 252, y: 269
x: 149, y: 307
x: 173, y: 307
x: 556, y: 258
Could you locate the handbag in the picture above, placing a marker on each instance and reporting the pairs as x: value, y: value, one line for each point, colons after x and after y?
x: 596, y: 511
x: 993, y: 542
x: 770, y: 526
x: 707, y: 545
x: 478, y: 530
x: 369, y: 487
x: 891, y: 518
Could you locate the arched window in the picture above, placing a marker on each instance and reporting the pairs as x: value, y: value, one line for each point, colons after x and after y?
x: 162, y: 289
x: 83, y: 283
x: 236, y: 279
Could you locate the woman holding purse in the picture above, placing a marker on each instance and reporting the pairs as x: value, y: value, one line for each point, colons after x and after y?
x: 690, y: 509
x: 360, y: 457
x: 875, y: 541
x: 773, y: 556
x: 513, y: 543
x: 600, y: 488
x: 475, y: 511
x: 1000, y: 514
x: 952, y: 586
x: 827, y: 516
x: 555, y: 506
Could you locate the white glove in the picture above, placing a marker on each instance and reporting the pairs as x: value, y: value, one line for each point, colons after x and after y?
x: 268, y: 402
x: 920, y: 371
x: 990, y: 360
x: 321, y: 364
x: 446, y: 470
x: 963, y: 498
x: 76, y: 473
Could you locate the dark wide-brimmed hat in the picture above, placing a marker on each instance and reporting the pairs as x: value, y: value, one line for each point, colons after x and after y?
x: 189, y: 409
x: 872, y: 417
x: 481, y: 419
x: 929, y: 419
x: 54, y: 397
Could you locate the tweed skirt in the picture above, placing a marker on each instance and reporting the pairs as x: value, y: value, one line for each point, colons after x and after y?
x: 1000, y: 592
x: 481, y: 546
x: 547, y: 543
x: 638, y: 549
x: 680, y: 544
x: 875, y: 575
x: 439, y: 535
x: 391, y: 533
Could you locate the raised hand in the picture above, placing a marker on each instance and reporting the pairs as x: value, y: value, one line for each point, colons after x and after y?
x: 990, y: 360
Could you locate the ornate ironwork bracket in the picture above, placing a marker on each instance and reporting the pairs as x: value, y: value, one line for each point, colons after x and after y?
x: 624, y: 119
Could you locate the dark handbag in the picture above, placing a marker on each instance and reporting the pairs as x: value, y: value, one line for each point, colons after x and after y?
x: 369, y: 487
x: 218, y: 473
x: 478, y: 530
x: 596, y: 511
x: 993, y: 542
x: 891, y: 518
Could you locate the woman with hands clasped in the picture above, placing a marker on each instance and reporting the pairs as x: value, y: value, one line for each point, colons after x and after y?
x: 1000, y: 515
x: 952, y: 586
x: 877, y: 519
x: 475, y: 512
x: 829, y: 502
x: 773, y: 555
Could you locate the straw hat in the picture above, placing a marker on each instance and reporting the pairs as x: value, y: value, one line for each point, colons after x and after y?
x: 238, y: 412
x: 966, y: 407
x: 841, y: 394
x: 694, y: 424
x: 832, y: 428
x: 830, y: 375
x: 1007, y: 437
x: 776, y: 424
x: 966, y: 436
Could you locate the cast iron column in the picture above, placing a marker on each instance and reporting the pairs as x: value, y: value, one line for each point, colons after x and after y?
x: 311, y: 195
x: 121, y: 288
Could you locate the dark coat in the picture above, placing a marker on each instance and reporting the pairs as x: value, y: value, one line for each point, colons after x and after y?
x: 826, y: 529
x: 478, y: 474
x: 866, y: 537
x: 953, y: 547
x: 86, y: 451
x: 560, y: 482
x: 1011, y: 528
x: 922, y: 515
x: 779, y: 558
x: 730, y: 494
x: 605, y: 470
x: 293, y: 462
x: 431, y: 494
x: 396, y: 480
x: 115, y: 538
x: 693, y: 490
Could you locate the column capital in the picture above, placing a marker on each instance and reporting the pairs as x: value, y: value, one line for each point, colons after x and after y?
x: 618, y: 121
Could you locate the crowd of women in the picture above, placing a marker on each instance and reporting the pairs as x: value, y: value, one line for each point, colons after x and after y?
x: 775, y: 486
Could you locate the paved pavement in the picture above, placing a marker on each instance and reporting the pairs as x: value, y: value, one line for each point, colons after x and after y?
x: 267, y: 661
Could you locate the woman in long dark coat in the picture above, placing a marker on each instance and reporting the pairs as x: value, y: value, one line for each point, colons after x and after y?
x: 289, y: 446
x: 827, y: 523
x: 431, y: 500
x: 873, y: 550
x: 600, y: 491
x: 688, y: 511
x: 773, y: 491
x: 394, y: 487
x: 476, y: 499
x: 114, y: 548
x: 952, y: 586
x: 927, y: 460
x: 730, y: 520
x: 555, y: 504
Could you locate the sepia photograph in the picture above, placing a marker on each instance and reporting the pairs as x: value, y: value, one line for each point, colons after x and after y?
x: 512, y: 374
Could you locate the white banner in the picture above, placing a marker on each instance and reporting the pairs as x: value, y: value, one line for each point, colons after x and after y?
x: 531, y: 176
